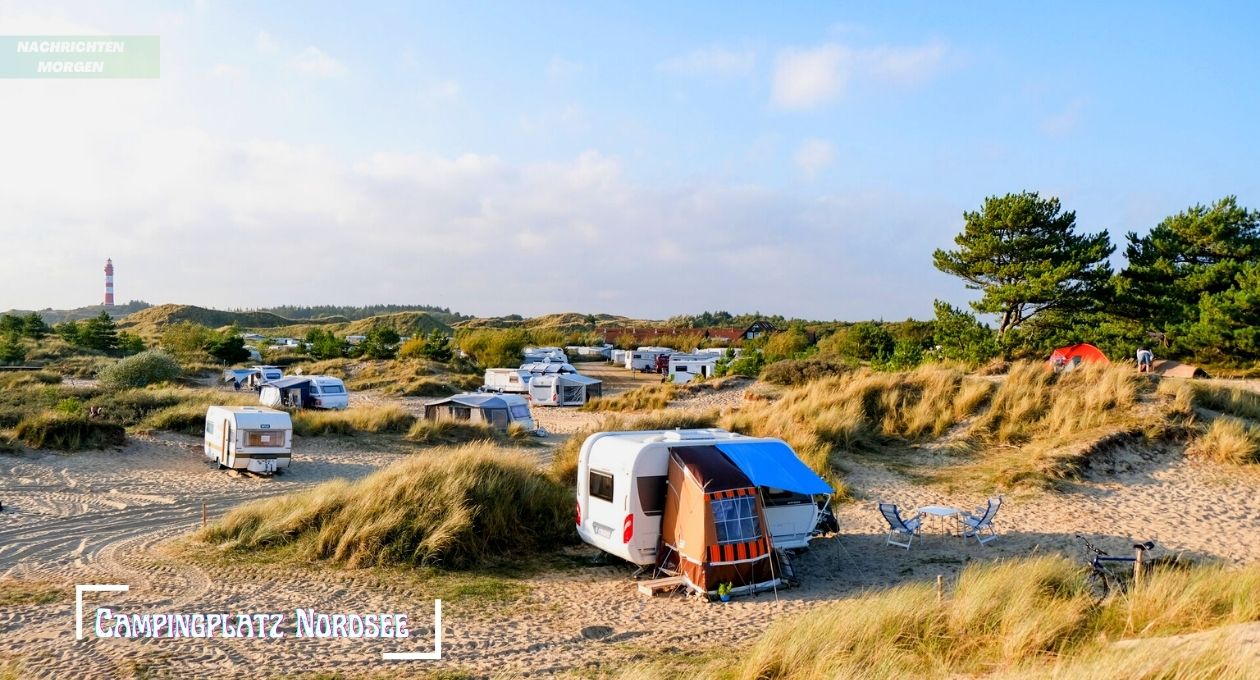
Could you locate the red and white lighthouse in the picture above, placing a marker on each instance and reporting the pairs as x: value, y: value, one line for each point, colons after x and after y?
x: 109, y: 283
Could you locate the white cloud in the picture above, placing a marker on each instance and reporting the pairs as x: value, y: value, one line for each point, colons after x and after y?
x: 711, y: 62
x: 903, y: 65
x: 813, y: 156
x: 265, y: 44
x: 313, y: 62
x: 807, y: 78
x: 1064, y: 122
x: 441, y: 93
x: 560, y: 68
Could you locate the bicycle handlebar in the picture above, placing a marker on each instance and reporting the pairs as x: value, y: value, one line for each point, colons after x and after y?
x: 1148, y: 545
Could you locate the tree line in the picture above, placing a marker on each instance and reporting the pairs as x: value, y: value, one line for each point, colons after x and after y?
x: 1191, y: 286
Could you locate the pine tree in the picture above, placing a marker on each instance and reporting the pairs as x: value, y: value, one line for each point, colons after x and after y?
x: 1024, y: 254
x: 1198, y: 252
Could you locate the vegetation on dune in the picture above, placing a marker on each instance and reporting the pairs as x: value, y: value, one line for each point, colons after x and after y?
x: 1228, y: 440
x: 456, y: 432
x: 141, y: 370
x: 69, y: 433
x: 468, y: 507
x: 1032, y: 429
x: 1034, y: 617
x: 796, y: 372
x: 389, y: 418
x: 645, y: 398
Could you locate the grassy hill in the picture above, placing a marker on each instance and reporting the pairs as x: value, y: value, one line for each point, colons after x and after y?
x: 566, y: 322
x: 55, y: 316
x: 148, y: 323
x: 406, y: 323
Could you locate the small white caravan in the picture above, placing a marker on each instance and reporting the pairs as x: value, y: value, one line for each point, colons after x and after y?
x: 248, y: 438
x: 511, y: 380
x: 687, y: 367
x: 621, y: 487
x: 329, y: 392
x: 563, y: 389
x: 644, y: 358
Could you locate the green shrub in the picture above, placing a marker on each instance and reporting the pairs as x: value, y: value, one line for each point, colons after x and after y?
x: 450, y: 432
x: 795, y: 372
x: 475, y: 506
x: 145, y: 368
x: 69, y: 433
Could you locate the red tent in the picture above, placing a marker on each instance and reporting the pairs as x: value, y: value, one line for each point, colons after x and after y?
x: 1067, y: 358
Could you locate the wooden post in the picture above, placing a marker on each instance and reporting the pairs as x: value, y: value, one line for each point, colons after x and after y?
x: 203, y: 514
x: 1140, y: 552
x: 940, y: 587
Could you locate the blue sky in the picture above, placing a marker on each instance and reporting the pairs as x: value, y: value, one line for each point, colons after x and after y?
x: 639, y: 159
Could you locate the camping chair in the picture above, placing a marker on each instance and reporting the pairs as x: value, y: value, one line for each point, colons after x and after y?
x: 898, y: 526
x: 976, y: 525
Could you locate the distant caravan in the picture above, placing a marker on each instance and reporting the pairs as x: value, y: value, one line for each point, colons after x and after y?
x: 249, y: 438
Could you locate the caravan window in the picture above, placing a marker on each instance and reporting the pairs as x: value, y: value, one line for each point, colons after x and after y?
x: 331, y: 389
x: 601, y: 485
x: 520, y: 412
x: 209, y: 427
x: 736, y: 519
x: 260, y: 438
x: 460, y: 412
x: 652, y: 494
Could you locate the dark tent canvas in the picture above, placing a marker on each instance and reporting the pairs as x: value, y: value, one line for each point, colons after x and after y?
x: 714, y: 527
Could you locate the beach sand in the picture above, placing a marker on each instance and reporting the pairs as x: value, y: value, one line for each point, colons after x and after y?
x: 119, y: 516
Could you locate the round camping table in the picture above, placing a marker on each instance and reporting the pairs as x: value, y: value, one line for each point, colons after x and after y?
x: 941, y: 513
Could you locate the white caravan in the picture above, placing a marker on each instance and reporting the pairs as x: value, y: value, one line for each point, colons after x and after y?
x: 644, y: 358
x: 328, y: 392
x: 563, y: 389
x: 687, y: 367
x: 511, y: 380
x: 621, y: 487
x: 248, y: 438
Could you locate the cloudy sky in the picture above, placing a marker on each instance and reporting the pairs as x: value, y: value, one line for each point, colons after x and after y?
x: 643, y: 159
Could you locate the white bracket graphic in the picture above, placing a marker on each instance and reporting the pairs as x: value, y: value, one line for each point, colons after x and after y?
x: 78, y: 602
x: 434, y: 655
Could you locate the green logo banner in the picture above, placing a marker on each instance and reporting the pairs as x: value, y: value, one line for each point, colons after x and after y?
x: 79, y: 56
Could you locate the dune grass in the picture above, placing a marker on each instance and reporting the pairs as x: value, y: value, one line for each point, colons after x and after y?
x: 389, y: 418
x: 451, y: 432
x: 1228, y: 440
x: 69, y: 433
x: 645, y: 398
x: 1229, y: 400
x: 1030, y: 429
x: 14, y: 379
x: 1030, y: 617
x: 461, y: 508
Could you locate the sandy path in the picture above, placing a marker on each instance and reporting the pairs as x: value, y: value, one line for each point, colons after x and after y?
x: 107, y: 517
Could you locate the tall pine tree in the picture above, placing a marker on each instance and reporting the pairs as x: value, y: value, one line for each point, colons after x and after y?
x: 1025, y: 256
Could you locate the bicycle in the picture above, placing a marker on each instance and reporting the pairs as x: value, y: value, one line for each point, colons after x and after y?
x: 1103, y: 578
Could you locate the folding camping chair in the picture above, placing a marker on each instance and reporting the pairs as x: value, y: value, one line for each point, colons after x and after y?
x: 898, y: 526
x: 976, y: 525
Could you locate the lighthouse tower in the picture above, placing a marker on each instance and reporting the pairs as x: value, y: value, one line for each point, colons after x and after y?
x: 109, y: 283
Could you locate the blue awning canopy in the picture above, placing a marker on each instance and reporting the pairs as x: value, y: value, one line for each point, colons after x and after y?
x: 773, y: 464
